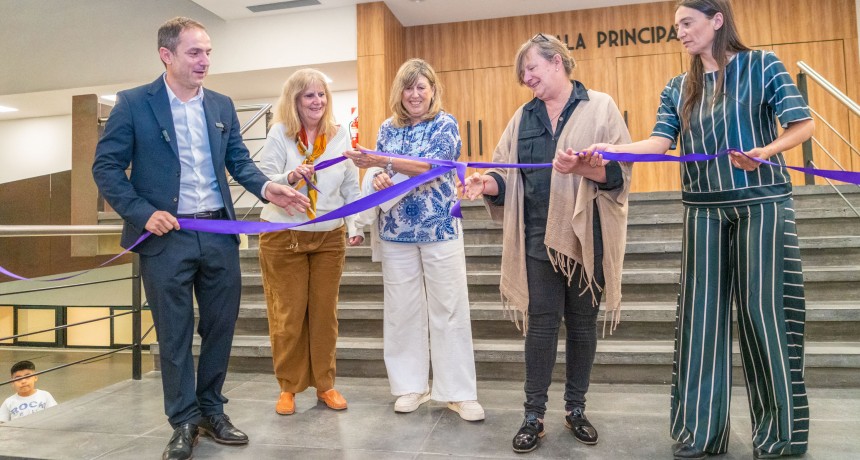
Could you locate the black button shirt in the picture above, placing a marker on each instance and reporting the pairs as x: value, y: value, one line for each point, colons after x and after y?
x: 537, y: 143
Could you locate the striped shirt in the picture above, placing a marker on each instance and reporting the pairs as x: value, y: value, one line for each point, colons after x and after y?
x: 758, y: 91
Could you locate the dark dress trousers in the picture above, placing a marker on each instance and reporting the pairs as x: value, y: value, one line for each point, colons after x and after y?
x: 181, y: 264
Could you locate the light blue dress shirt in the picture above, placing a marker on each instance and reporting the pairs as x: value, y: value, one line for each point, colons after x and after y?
x: 198, y: 185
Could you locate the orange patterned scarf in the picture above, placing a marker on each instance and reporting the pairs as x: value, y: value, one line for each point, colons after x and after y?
x: 310, y: 157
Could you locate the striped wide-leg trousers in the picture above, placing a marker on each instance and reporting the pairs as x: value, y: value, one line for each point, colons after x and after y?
x: 747, y: 254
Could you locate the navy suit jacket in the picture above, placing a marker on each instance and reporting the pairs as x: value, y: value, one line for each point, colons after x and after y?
x: 134, y: 135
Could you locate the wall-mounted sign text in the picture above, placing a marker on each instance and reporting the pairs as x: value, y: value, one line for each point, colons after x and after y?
x: 623, y: 37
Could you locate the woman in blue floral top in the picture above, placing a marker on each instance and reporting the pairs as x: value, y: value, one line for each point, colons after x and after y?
x: 426, y: 303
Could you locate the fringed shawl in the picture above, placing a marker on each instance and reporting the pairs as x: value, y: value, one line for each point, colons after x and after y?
x: 570, y: 223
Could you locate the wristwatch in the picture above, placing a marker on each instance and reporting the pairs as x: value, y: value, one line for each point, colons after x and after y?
x: 389, y: 168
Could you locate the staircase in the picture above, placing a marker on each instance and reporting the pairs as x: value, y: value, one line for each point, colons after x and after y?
x: 640, y: 350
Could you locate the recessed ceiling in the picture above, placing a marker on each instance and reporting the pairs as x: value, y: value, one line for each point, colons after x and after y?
x: 264, y: 83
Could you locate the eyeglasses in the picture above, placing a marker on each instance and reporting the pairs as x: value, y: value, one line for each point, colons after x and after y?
x: 540, y: 38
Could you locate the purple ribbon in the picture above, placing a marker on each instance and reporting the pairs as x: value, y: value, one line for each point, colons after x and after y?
x: 443, y: 167
x: 144, y: 236
x: 370, y: 201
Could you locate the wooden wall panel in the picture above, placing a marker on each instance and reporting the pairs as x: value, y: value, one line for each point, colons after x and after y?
x: 599, y: 75
x: 43, y: 200
x: 500, y: 96
x: 828, y: 59
x: 754, y: 24
x: 381, y: 51
x: 492, y: 43
x: 457, y: 99
x: 852, y: 67
x: 370, y: 19
x: 395, y: 45
x: 444, y: 46
x: 499, y: 40
x: 640, y: 81
x: 26, y: 202
x: 797, y: 21
x: 604, y: 22
x: 372, y: 97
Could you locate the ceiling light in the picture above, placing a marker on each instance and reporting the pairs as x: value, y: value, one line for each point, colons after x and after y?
x: 327, y: 78
x: 4, y: 109
x: 282, y: 5
x: 108, y: 97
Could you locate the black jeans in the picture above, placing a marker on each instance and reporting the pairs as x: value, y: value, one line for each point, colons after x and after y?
x: 550, y: 299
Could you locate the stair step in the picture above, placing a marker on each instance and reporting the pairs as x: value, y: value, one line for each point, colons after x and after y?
x: 825, y: 321
x: 830, y: 364
x: 649, y: 276
x: 630, y: 311
x: 836, y: 354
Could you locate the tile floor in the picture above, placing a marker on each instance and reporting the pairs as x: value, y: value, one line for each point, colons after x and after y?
x: 124, y: 420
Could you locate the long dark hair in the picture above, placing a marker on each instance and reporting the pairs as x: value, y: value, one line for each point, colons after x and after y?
x: 726, y: 40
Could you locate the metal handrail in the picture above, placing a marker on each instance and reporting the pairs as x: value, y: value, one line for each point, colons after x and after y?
x: 85, y: 360
x: 65, y: 326
x: 262, y: 109
x: 844, y: 198
x: 835, y: 131
x: 59, y: 230
x: 242, y: 108
x: 136, y: 297
x: 829, y: 87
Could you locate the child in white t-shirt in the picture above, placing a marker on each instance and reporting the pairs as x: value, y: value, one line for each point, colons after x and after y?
x: 28, y: 400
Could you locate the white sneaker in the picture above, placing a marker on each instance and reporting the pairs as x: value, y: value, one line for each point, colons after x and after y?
x: 410, y: 402
x: 468, y: 410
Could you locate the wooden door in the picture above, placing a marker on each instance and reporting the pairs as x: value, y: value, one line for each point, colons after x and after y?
x: 457, y: 99
x: 498, y: 96
x: 828, y: 59
x: 599, y: 75
x: 641, y: 79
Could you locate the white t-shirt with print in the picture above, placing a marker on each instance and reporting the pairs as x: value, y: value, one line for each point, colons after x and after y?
x: 16, y: 406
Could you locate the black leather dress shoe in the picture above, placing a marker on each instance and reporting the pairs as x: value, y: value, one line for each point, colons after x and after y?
x: 687, y: 452
x: 526, y: 439
x: 219, y: 428
x: 181, y: 443
x: 582, y: 429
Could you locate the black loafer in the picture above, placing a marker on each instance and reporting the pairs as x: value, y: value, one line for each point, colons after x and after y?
x: 181, y: 443
x: 526, y: 439
x: 688, y: 452
x: 582, y: 429
x: 219, y: 428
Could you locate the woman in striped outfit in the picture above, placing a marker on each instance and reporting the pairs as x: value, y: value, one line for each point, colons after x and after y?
x: 740, y: 242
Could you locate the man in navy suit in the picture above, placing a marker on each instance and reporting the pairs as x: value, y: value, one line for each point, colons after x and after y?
x: 179, y: 140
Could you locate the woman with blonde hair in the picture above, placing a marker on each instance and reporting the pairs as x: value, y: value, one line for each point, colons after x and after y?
x: 423, y: 260
x: 302, y: 268
x: 564, y: 229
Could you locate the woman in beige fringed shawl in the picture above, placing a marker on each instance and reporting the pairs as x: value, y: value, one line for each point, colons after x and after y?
x: 564, y: 229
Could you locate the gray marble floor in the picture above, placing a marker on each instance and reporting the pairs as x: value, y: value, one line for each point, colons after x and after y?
x: 125, y: 421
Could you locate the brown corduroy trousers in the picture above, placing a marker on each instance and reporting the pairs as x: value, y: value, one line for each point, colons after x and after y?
x: 301, y: 279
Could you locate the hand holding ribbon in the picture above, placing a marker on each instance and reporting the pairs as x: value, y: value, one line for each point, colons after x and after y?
x: 748, y: 161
